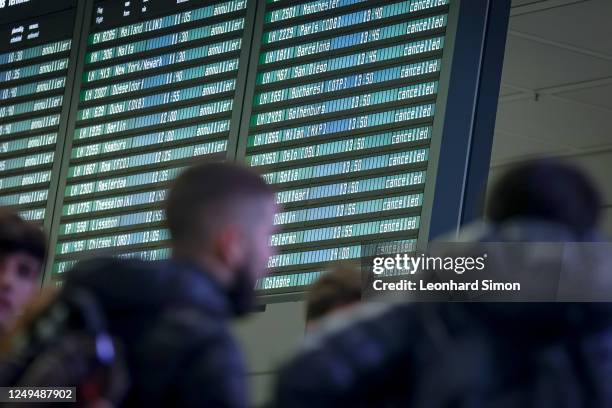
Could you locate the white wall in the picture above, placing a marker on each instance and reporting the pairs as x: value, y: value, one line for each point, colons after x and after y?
x: 269, y: 338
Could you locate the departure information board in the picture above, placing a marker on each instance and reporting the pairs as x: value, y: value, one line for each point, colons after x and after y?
x: 343, y: 106
x: 34, y: 62
x: 341, y: 122
x: 157, y: 94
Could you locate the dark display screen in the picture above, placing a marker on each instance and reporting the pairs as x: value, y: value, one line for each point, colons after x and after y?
x: 157, y: 94
x: 343, y: 109
x: 34, y: 62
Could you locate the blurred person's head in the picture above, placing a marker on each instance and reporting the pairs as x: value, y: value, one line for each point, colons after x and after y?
x: 22, y: 253
x: 335, y: 291
x: 221, y: 217
x: 546, y: 191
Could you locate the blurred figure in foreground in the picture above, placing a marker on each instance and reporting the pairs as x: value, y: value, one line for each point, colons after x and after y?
x: 337, y: 291
x: 503, y: 355
x: 165, y: 326
x: 22, y: 253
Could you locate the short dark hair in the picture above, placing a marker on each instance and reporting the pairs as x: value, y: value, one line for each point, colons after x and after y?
x: 18, y: 235
x: 549, y: 191
x: 206, y: 192
x: 339, y: 287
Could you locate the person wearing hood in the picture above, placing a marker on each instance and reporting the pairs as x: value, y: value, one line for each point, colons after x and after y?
x: 436, y: 353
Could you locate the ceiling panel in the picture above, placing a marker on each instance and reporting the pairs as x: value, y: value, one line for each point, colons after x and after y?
x: 507, y: 91
x: 583, y: 24
x: 599, y: 97
x: 517, y: 3
x: 555, y: 121
x: 509, y: 147
x: 533, y: 65
x: 564, y: 49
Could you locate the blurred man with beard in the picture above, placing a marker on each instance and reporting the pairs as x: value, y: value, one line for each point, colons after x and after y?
x: 169, y: 320
x: 221, y: 217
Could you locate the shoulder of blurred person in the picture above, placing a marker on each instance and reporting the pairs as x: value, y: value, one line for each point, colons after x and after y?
x: 136, y: 286
x: 370, y: 356
x: 367, y: 358
x: 172, y: 321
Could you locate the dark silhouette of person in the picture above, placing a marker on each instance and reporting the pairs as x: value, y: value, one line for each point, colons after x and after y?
x: 470, y: 354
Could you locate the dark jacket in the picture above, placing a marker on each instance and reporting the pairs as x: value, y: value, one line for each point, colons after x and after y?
x: 172, y: 321
x: 441, y: 355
